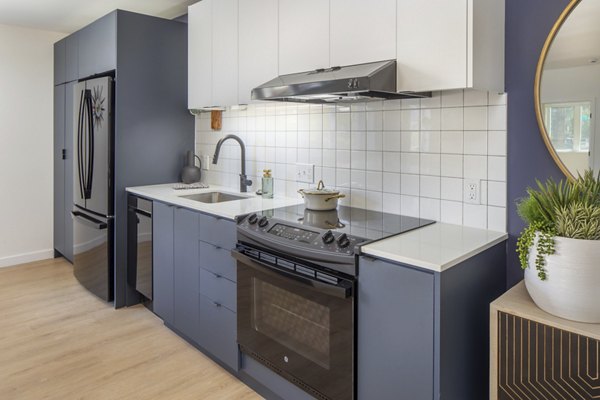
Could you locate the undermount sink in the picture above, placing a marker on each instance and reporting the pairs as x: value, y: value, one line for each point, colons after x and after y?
x: 213, y: 197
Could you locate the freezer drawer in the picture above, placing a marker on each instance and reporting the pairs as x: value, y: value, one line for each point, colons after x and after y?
x: 92, y: 250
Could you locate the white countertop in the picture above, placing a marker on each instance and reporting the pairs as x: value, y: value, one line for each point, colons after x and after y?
x: 435, y: 247
x: 227, y: 209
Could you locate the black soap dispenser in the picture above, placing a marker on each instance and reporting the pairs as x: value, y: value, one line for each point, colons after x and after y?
x: 191, y: 173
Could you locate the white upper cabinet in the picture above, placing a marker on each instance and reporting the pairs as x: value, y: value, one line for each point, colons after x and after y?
x: 213, y: 53
x: 450, y: 44
x: 200, y: 55
x: 258, y: 55
x: 237, y: 45
x: 362, y: 31
x: 303, y: 35
x: 225, y: 52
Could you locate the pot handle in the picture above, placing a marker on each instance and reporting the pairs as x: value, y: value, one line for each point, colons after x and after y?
x: 337, y: 196
x: 301, y: 191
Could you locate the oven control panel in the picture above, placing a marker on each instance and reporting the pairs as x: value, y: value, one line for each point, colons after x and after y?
x: 318, y: 239
x: 293, y: 233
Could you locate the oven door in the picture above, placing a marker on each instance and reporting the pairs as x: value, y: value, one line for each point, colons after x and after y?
x: 299, y: 327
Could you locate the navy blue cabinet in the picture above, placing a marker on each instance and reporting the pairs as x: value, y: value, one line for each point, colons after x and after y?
x: 194, y: 279
x: 423, y: 335
x: 218, y: 289
x: 63, y: 169
x: 97, y: 46
x: 186, y: 273
x: 71, y: 57
x: 395, y: 332
x: 59, y: 168
x: 60, y: 68
x: 65, y: 60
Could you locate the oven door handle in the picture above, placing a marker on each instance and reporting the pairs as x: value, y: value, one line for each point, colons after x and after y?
x: 325, y: 288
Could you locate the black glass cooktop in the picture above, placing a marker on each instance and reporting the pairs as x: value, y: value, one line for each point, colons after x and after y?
x: 367, y: 224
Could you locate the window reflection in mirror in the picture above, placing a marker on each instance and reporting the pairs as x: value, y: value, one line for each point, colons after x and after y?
x: 570, y: 88
x: 569, y: 126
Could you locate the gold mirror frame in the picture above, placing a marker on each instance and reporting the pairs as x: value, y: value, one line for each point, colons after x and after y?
x: 538, y: 81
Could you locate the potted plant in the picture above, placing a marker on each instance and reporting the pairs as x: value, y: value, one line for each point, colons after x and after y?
x: 560, y: 248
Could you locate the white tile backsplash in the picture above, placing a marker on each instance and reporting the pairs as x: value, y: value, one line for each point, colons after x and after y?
x: 399, y: 156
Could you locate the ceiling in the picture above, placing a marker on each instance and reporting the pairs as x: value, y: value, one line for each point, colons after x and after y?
x: 67, y: 16
x: 578, y: 40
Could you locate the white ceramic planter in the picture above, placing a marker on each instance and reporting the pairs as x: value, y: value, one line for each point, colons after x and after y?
x: 572, y: 286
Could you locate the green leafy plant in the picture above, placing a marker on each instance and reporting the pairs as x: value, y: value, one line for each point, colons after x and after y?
x: 568, y: 208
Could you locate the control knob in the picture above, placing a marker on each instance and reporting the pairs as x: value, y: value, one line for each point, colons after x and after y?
x: 328, y: 237
x: 252, y: 219
x: 263, y: 222
x: 343, y: 241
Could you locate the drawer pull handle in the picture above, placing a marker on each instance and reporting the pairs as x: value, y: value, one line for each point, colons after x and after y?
x: 216, y: 304
x: 218, y: 275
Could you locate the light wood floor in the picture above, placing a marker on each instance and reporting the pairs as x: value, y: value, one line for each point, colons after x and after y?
x: 57, y: 341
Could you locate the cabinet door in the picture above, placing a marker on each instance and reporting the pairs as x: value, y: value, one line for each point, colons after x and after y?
x: 186, y: 273
x: 72, y: 57
x: 225, y: 52
x: 200, y: 54
x: 395, y: 331
x: 162, y: 260
x: 59, y: 168
x: 257, y: 45
x: 375, y: 41
x: 60, y: 49
x: 432, y: 44
x: 303, y: 35
x: 68, y: 166
x: 98, y: 46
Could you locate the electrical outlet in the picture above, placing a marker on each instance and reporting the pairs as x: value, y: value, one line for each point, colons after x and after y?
x: 472, y: 193
x: 305, y: 173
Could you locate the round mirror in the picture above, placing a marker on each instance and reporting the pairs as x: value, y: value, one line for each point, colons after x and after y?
x: 567, y: 88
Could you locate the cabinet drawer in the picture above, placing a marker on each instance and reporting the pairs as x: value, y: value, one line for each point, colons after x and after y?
x: 217, y: 231
x: 218, y: 289
x: 218, y: 331
x: 218, y: 260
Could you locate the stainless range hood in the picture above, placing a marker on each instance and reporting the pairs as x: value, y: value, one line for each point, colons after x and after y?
x: 362, y: 82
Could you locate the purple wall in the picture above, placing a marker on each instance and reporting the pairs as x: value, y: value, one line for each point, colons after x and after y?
x: 528, y: 23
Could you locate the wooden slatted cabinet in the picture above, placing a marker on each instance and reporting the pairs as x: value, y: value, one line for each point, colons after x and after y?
x: 537, y: 356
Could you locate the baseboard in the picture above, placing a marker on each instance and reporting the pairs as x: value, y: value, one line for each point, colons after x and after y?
x: 26, y: 258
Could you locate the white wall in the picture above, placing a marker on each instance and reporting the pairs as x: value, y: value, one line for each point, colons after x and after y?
x: 404, y: 157
x: 26, y: 140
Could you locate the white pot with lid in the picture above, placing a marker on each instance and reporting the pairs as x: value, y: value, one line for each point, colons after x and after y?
x: 321, y: 199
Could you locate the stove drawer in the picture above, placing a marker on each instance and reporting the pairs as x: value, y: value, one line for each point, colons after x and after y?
x: 218, y: 231
x: 218, y: 289
x: 218, y: 260
x: 217, y: 331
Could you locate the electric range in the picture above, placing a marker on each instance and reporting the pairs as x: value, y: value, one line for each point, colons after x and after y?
x: 330, y: 238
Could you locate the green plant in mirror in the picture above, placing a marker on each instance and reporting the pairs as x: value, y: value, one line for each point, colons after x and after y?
x: 568, y: 209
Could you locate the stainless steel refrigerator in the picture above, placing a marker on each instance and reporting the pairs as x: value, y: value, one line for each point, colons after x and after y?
x: 93, y: 186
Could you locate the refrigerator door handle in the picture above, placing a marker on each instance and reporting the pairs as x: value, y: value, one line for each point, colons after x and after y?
x: 80, y: 145
x: 89, y: 221
x: 90, y: 121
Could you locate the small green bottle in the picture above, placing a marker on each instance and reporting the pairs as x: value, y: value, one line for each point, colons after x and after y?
x: 267, y: 184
